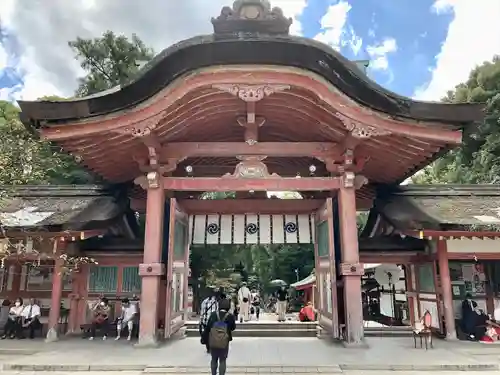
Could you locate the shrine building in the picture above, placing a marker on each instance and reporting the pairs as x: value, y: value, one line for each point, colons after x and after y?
x: 249, y: 109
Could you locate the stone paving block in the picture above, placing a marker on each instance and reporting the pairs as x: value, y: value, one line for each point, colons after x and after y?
x: 329, y: 369
x: 40, y: 367
x: 116, y: 367
x: 419, y: 367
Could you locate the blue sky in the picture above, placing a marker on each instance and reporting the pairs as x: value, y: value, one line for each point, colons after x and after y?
x: 418, y: 48
x: 417, y: 31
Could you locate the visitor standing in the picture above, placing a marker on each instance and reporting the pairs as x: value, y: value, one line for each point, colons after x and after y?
x: 256, y: 303
x: 208, y: 306
x: 282, y: 297
x: 218, y: 333
x: 244, y: 297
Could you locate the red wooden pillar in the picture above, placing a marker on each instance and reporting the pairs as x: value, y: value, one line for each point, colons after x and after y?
x: 410, y: 294
x: 77, y: 285
x: 351, y: 269
x: 444, y: 273
x: 55, y: 298
x: 152, y: 268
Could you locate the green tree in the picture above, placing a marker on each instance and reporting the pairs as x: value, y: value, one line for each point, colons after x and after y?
x: 25, y: 159
x: 109, y: 61
x: 477, y: 160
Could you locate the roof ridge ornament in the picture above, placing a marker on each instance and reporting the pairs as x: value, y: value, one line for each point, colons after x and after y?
x: 251, y: 16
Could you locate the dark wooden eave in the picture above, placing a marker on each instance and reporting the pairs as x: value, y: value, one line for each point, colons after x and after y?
x: 437, y: 207
x: 249, y: 49
x: 66, y: 208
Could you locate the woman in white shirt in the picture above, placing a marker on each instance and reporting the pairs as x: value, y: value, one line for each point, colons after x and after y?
x: 13, y: 327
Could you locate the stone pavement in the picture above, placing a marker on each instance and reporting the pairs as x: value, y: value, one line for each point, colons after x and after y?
x: 231, y: 371
x: 256, y: 355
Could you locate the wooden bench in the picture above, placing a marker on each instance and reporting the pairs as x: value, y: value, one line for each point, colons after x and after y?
x: 423, y: 331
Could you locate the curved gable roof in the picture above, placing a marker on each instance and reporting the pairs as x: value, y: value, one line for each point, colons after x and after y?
x: 248, y: 49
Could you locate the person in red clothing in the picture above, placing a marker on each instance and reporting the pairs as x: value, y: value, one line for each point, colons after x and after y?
x: 307, y: 313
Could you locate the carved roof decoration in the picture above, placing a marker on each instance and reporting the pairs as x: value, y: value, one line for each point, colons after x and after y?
x: 251, y: 16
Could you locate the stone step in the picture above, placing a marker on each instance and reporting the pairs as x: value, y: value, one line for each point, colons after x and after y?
x: 263, y: 333
x: 266, y: 326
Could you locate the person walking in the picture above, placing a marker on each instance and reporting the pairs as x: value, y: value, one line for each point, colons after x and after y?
x: 256, y: 303
x: 244, y: 297
x: 218, y: 333
x: 208, y: 306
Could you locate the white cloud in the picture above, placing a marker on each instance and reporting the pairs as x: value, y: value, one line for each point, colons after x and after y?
x: 294, y: 9
x: 378, y: 53
x: 334, y: 28
x: 3, y: 58
x: 473, y: 37
x: 43, y: 28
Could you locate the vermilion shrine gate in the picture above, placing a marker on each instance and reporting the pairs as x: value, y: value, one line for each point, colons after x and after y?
x: 250, y: 109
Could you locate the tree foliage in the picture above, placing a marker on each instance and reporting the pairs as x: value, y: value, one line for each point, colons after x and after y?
x: 109, y: 61
x: 25, y: 159
x: 226, y: 265
x: 477, y: 160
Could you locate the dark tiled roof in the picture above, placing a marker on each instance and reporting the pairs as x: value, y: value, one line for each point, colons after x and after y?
x: 71, y: 207
x: 211, y: 50
x: 442, y: 207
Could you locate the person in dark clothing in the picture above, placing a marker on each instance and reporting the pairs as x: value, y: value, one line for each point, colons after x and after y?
x: 282, y: 296
x: 219, y: 354
x: 469, y: 316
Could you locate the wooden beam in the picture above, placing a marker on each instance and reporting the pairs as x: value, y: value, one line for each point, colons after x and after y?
x: 247, y: 184
x: 230, y: 149
x: 450, y: 234
x: 251, y: 206
x: 203, y: 170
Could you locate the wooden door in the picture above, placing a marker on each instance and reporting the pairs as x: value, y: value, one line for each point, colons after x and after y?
x: 326, y: 277
x: 177, y: 269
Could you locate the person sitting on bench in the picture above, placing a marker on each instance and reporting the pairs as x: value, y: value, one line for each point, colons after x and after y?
x: 31, y: 317
x: 101, y: 318
x: 127, y: 319
x: 13, y: 327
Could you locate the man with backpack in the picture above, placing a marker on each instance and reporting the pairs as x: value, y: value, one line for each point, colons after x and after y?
x: 208, y: 306
x: 218, y: 334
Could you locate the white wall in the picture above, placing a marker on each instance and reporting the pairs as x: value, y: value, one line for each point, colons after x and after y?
x: 474, y: 245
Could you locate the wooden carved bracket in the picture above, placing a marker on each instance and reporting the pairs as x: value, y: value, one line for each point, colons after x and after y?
x: 350, y: 163
x: 361, y: 131
x: 154, y: 149
x: 251, y: 128
x: 164, y: 167
x: 251, y: 167
x: 351, y: 180
x: 251, y: 93
x: 141, y: 129
x: 152, y: 180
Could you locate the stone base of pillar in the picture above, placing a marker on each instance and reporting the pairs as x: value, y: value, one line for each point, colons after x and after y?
x: 451, y: 337
x: 52, y: 335
x: 147, y: 341
x: 179, y: 335
x: 355, y: 345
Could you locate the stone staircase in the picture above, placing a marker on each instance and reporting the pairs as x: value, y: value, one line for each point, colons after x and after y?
x: 264, y: 329
x: 388, y: 331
